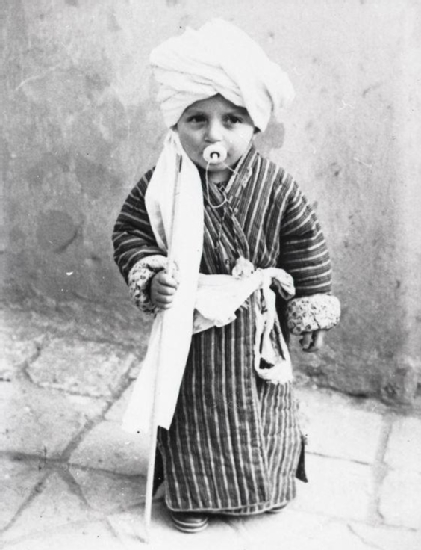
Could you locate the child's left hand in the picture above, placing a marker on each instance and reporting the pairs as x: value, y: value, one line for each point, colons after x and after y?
x: 311, y: 342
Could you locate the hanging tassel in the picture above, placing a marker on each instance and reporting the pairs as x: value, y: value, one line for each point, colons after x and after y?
x: 301, y: 468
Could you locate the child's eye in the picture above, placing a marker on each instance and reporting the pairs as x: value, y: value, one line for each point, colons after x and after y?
x: 233, y: 120
x: 196, y: 119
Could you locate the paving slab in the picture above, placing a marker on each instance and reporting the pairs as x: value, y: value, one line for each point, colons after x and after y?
x: 107, y: 492
x: 292, y: 530
x: 68, y: 502
x: 90, y: 536
x: 86, y: 368
x: 337, y: 428
x: 336, y: 488
x: 404, y: 445
x: 400, y: 499
x: 55, y: 505
x: 387, y: 538
x: 108, y: 447
x: 42, y: 421
x: 292, y: 527
x: 17, y: 481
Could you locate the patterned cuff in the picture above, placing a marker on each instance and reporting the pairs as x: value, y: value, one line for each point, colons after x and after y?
x: 320, y: 311
x: 139, y: 281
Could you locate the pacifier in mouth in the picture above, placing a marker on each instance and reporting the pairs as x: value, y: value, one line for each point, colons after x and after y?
x: 215, y: 153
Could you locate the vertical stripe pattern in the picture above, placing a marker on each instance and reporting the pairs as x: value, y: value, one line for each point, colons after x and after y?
x: 234, y: 442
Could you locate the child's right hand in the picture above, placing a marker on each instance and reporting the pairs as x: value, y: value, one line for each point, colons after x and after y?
x: 163, y: 289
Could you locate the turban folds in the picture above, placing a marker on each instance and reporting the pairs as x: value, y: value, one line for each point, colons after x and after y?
x: 221, y: 59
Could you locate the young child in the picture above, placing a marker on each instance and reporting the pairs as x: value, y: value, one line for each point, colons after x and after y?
x: 234, y: 443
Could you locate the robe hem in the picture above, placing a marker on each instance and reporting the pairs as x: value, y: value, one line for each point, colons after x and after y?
x: 236, y: 512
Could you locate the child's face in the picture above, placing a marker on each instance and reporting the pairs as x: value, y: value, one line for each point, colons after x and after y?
x: 215, y: 120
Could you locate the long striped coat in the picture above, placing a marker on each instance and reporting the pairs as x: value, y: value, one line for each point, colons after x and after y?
x: 234, y: 443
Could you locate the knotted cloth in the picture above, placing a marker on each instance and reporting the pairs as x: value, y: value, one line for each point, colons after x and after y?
x: 219, y: 58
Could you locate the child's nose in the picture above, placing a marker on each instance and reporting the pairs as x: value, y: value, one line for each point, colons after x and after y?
x: 214, y: 131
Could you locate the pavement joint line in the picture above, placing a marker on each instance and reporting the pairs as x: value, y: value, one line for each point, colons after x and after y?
x: 36, y: 490
x: 76, y: 490
x: 123, y: 384
x: 104, y: 471
x: 51, y: 387
x: 22, y: 371
x: 332, y: 518
x: 365, y: 523
x: 58, y: 464
x: 362, y: 539
x: 109, y: 473
x: 27, y: 362
x: 93, y: 422
x: 73, y: 486
x: 79, y: 436
x: 42, y: 460
x: 340, y: 458
x: 114, y: 532
x: 56, y: 530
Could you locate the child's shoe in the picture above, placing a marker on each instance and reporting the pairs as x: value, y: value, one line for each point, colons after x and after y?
x: 277, y: 509
x: 189, y: 522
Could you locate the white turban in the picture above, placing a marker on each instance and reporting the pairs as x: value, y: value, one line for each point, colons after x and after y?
x: 221, y: 59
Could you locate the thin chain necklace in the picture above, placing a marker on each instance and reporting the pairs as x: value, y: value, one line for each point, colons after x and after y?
x: 217, y: 184
x: 225, y: 199
x: 226, y: 257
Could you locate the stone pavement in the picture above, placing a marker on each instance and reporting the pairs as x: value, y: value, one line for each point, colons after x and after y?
x: 70, y: 478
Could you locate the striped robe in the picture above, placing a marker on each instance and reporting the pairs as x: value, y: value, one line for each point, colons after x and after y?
x: 234, y: 443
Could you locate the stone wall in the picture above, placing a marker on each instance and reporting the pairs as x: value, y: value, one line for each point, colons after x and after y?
x: 81, y: 125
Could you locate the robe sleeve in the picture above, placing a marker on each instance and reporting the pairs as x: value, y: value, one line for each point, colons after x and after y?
x: 136, y: 251
x: 304, y: 255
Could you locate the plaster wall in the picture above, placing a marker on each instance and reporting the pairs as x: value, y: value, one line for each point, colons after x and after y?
x: 80, y: 126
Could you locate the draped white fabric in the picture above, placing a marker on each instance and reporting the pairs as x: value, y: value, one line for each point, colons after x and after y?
x: 172, y: 329
x: 219, y: 58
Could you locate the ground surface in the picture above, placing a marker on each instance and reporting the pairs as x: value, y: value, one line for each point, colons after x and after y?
x: 70, y: 478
